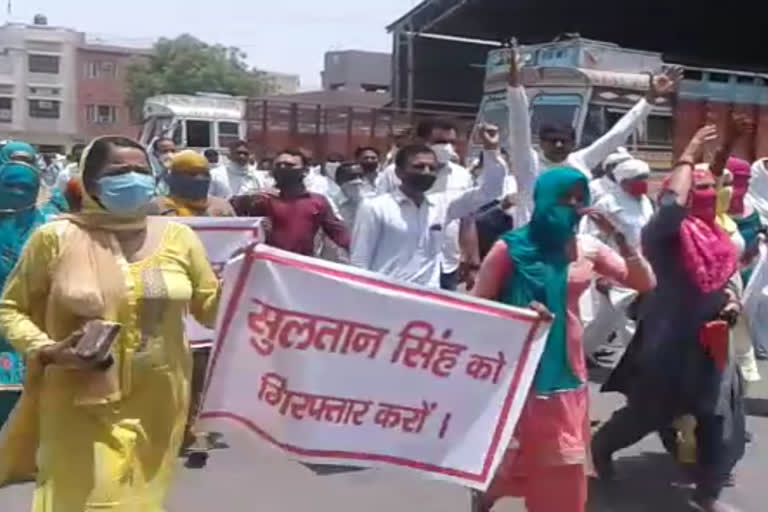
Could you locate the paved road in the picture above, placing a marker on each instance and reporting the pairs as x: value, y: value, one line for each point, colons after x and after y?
x: 248, y: 476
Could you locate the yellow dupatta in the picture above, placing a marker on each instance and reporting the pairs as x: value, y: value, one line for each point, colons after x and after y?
x: 88, y: 277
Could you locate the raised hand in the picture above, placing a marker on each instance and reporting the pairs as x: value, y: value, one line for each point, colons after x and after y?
x: 665, y: 82
x: 605, y: 226
x: 703, y: 136
x: 515, y: 63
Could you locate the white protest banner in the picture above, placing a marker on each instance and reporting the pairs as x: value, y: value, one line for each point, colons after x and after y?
x: 335, y: 365
x: 221, y: 237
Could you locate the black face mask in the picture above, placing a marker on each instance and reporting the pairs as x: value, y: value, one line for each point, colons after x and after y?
x: 419, y: 181
x: 191, y: 188
x: 369, y: 167
x: 288, y: 178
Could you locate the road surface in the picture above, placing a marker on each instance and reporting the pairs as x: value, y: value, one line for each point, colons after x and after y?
x: 250, y: 476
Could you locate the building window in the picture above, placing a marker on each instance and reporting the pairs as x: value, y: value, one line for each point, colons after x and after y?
x: 44, y: 64
x: 101, y: 114
x: 101, y: 69
x: 6, y: 110
x: 44, y: 109
x: 44, y: 91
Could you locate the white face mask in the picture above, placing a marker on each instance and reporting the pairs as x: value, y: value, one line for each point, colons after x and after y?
x: 445, y: 153
x: 331, y: 168
x: 353, y: 190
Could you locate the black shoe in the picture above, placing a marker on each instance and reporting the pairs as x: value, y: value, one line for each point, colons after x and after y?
x: 196, y: 460
x: 603, y: 463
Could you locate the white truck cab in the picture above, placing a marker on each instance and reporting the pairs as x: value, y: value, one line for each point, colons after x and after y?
x: 199, y: 122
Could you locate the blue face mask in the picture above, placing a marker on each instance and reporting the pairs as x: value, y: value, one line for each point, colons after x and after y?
x: 126, y: 194
x: 187, y: 186
x: 19, y: 186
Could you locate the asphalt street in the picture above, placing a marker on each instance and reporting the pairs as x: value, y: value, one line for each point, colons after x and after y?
x: 250, y: 476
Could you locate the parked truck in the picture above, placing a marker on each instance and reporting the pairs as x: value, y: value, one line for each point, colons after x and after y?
x: 204, y: 121
x: 591, y: 84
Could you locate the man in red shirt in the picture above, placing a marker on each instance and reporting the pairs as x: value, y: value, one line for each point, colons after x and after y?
x: 295, y: 214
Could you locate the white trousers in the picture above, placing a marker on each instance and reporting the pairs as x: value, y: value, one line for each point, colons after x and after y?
x: 609, y: 316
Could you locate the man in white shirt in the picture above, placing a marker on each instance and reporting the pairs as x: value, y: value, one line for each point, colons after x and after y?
x: 401, y: 233
x: 369, y: 159
x: 72, y: 169
x: 236, y: 177
x: 605, y: 184
x: 351, y: 179
x: 629, y: 209
x: 453, y: 179
x: 558, y: 142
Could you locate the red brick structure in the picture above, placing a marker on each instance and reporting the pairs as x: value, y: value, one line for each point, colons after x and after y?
x: 101, y: 90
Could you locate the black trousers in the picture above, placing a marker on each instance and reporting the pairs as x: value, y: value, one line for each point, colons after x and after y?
x: 716, y: 452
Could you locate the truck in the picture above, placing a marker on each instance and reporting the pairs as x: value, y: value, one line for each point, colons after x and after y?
x: 200, y: 121
x: 206, y: 120
x: 591, y: 84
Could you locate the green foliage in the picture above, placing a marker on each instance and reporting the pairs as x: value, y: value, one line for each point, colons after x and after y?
x: 186, y: 65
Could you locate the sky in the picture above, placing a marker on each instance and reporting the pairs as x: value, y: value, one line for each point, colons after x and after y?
x: 278, y: 35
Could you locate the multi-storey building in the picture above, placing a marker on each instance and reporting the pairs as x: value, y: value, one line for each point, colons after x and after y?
x: 101, y: 91
x: 56, y: 89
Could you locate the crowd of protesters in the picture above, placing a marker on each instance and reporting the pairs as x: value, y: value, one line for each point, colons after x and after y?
x: 602, y: 258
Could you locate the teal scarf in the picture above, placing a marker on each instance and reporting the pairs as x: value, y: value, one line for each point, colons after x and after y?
x: 539, y: 254
x: 19, y: 216
x: 18, y: 150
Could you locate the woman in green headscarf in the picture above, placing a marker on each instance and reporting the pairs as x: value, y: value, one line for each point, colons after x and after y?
x: 51, y: 202
x: 21, y: 212
x: 546, y: 266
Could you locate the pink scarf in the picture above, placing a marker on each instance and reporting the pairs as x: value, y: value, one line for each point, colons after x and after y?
x: 709, y: 256
x: 741, y: 171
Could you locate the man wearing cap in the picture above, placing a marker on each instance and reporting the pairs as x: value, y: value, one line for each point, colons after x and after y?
x: 629, y: 209
x: 605, y: 184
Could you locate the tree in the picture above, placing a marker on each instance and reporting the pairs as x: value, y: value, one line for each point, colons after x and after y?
x: 186, y: 65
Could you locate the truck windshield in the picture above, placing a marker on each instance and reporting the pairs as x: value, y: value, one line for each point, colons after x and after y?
x: 198, y: 133
x: 156, y: 126
x: 554, y: 108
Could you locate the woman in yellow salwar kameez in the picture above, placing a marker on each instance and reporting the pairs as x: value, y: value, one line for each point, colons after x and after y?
x: 108, y: 439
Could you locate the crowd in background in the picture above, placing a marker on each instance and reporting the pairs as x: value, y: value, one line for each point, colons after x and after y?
x: 611, y: 265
